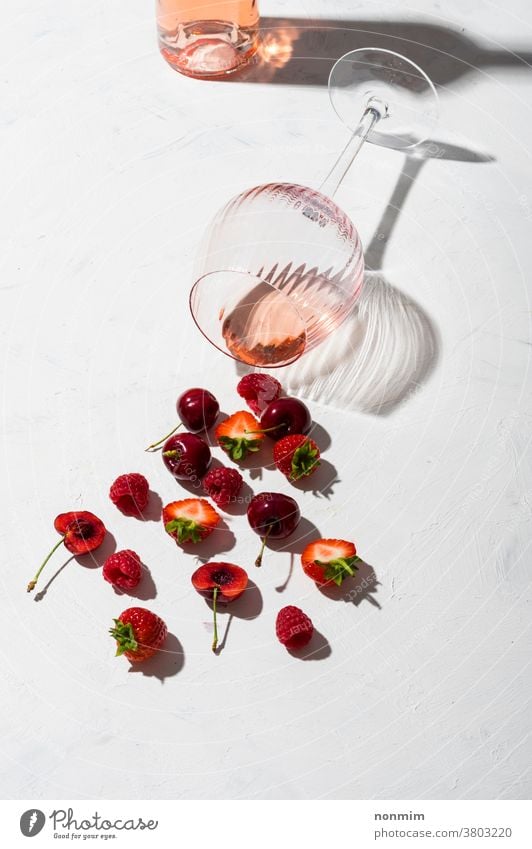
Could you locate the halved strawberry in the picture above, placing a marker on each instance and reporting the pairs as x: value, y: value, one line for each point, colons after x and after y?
x: 190, y: 520
x: 239, y: 435
x: 329, y: 561
x: 296, y: 456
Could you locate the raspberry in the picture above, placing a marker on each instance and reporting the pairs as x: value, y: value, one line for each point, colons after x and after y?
x: 123, y: 569
x: 130, y: 493
x: 293, y: 627
x: 222, y: 485
x: 258, y: 390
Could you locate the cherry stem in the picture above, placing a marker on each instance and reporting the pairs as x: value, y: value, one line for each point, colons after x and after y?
x: 31, y: 585
x: 266, y: 430
x: 155, y: 445
x: 215, y: 637
x: 258, y: 561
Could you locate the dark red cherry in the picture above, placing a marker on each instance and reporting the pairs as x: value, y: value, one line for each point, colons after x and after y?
x: 186, y: 456
x: 197, y: 409
x: 272, y: 515
x: 284, y: 417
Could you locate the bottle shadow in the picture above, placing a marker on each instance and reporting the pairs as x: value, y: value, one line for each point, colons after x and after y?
x: 298, y: 51
x: 169, y: 661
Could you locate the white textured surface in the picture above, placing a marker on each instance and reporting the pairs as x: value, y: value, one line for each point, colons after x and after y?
x: 112, y: 164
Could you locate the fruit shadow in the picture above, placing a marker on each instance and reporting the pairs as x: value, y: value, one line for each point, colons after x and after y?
x: 153, y: 509
x: 263, y: 459
x: 305, y: 532
x: 221, y: 540
x: 321, y: 483
x: 169, y: 661
x: 210, y: 435
x: 92, y: 560
x: 318, y: 648
x: 321, y: 437
x: 361, y: 587
x: 240, y: 504
x: 145, y: 590
x: 248, y: 606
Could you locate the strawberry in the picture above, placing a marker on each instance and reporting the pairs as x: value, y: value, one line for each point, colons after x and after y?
x: 239, y: 435
x: 258, y: 390
x: 81, y: 532
x: 190, y: 520
x: 329, y: 561
x: 139, y: 634
x: 296, y: 456
x: 293, y: 627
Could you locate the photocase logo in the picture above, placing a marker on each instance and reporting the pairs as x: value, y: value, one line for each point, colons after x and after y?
x: 32, y: 822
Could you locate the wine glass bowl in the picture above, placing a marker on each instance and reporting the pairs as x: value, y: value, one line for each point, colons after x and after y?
x: 280, y: 268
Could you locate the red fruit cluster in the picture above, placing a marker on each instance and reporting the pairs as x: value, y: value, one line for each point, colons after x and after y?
x: 139, y: 633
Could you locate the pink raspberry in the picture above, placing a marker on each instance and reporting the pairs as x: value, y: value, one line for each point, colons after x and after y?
x: 259, y: 390
x: 123, y: 569
x: 222, y: 485
x: 294, y: 629
x: 130, y: 493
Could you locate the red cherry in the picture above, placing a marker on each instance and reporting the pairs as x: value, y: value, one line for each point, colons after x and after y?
x: 197, y: 409
x: 284, y: 417
x: 272, y: 515
x: 186, y: 456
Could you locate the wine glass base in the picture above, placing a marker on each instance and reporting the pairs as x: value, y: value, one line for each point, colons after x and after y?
x: 400, y: 88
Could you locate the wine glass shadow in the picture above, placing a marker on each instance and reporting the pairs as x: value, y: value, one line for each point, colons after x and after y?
x: 297, y: 51
x: 388, y: 346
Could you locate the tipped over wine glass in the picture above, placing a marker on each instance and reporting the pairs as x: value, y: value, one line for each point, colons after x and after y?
x: 281, y: 265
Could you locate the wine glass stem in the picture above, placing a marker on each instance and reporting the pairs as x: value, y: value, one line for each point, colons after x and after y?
x: 334, y: 178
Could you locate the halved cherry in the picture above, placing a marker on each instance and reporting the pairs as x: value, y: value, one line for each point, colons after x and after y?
x: 219, y: 582
x: 81, y: 532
